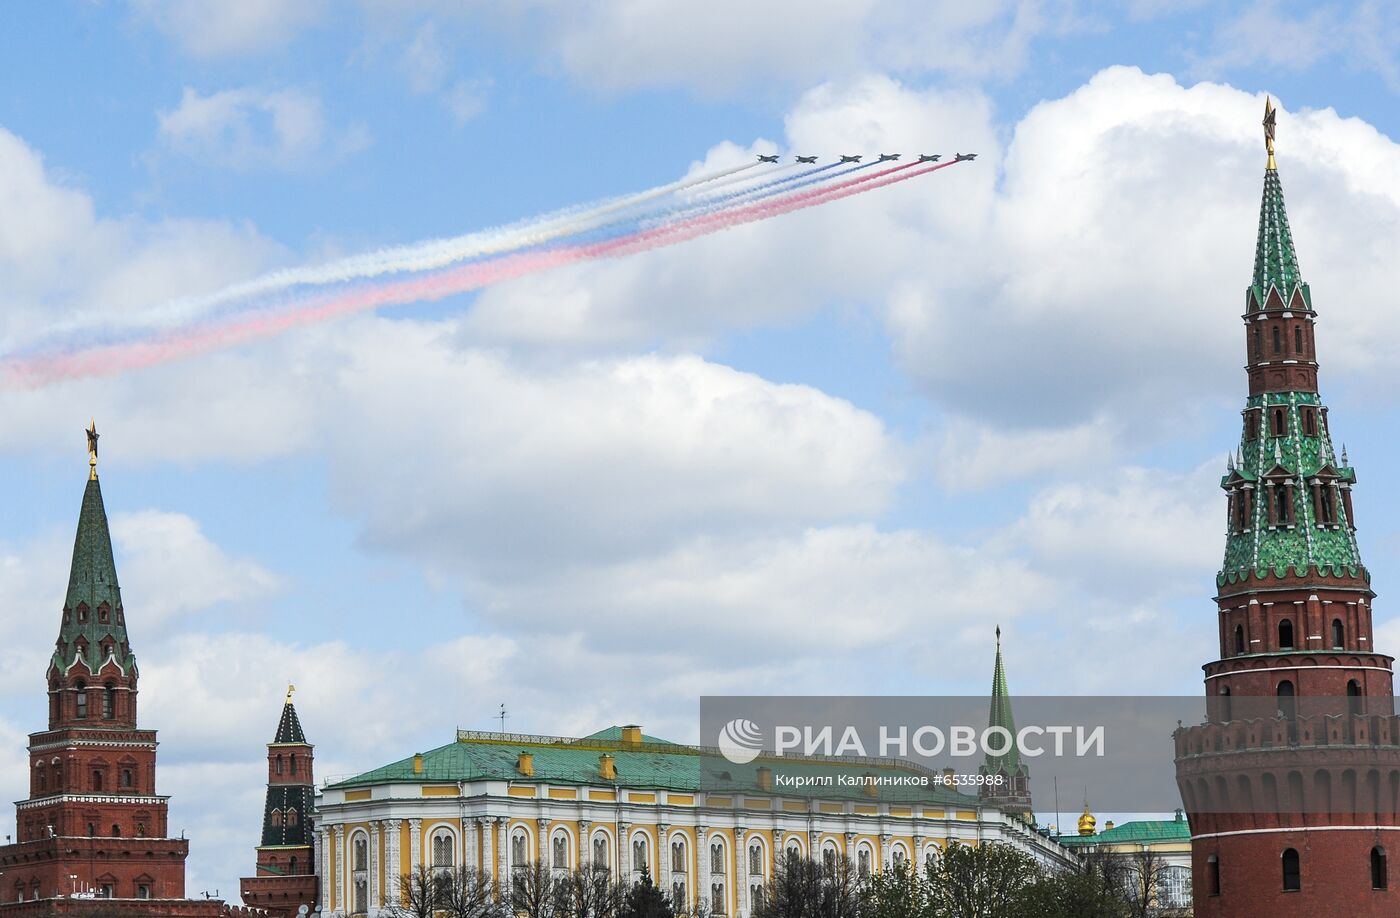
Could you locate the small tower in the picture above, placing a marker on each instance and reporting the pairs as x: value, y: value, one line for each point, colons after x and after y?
x: 1009, y: 784
x: 285, y: 877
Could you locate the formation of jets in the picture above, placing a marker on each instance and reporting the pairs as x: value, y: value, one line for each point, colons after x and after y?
x: 884, y: 158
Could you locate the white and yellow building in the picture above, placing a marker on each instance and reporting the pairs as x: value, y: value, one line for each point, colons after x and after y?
x: 628, y: 803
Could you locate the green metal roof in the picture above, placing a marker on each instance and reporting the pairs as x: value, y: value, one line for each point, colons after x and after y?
x: 1147, y: 831
x: 654, y: 764
x: 92, y: 582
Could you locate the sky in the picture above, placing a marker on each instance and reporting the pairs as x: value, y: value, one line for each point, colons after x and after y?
x: 827, y: 453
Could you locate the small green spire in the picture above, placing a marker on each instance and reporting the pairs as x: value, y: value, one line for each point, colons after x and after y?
x: 1000, y: 716
x: 92, y: 608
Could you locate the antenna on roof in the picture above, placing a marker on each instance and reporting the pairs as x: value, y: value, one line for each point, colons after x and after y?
x: 503, y: 715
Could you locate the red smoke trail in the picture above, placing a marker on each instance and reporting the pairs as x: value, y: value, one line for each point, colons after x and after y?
x: 110, y: 359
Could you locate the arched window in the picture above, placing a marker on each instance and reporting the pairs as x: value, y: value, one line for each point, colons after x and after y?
x: 443, y: 849
x: 600, y: 852
x: 863, y: 862
x: 275, y: 817
x: 109, y: 701
x: 829, y: 858
x: 1380, y: 875
x: 1280, y: 423
x: 41, y: 778
x: 1292, y: 870
x: 717, y: 903
x: 717, y: 859
x: 1309, y: 422
x: 1278, y: 340
x: 1338, y: 634
x: 291, y: 816
x: 116, y: 831
x: 1225, y: 703
x: 1285, y: 634
x: 1239, y: 639
x: 81, y: 699
x: 140, y: 830
x: 756, y: 859
x: 898, y: 858
x: 126, y: 777
x: 293, y: 759
x: 97, y: 779
x: 1297, y: 339
x: 519, y: 845
x: 359, y: 866
x: 1353, y: 697
x: 278, y: 769
x: 1285, y: 699
x: 1213, y: 875
x: 292, y: 866
x: 678, y: 857
x: 930, y: 857
x: 639, y: 854
x: 559, y: 851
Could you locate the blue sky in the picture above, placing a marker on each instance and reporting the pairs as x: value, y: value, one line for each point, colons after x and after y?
x: 828, y: 453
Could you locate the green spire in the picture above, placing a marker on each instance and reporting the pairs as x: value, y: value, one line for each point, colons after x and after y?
x: 92, y: 608
x: 1275, y: 258
x: 1000, y: 716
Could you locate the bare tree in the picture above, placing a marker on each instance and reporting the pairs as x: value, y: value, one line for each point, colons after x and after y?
x: 419, y: 894
x: 465, y: 892
x: 589, y: 893
x: 534, y: 892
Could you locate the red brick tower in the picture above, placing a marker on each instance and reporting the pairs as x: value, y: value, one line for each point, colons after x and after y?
x: 285, y: 875
x: 93, y: 824
x: 1292, y: 785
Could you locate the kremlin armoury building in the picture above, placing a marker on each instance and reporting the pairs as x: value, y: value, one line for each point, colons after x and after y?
x: 1291, y: 787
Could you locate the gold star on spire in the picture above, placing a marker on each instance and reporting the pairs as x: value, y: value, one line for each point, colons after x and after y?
x: 1269, y: 114
x: 92, y: 436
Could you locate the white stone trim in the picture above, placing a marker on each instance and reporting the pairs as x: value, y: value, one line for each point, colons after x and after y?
x: 1298, y: 829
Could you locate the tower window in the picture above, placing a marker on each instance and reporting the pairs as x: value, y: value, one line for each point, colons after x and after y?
x: 1353, y: 697
x: 1285, y: 699
x: 1309, y: 422
x: 116, y: 831
x: 279, y: 764
x: 126, y: 777
x: 1298, y: 339
x: 275, y: 817
x: 1251, y: 424
x: 1292, y: 870
x: 1338, y: 634
x: 1258, y: 347
x: 1278, y: 341
x: 293, y: 763
x: 81, y: 699
x: 109, y: 701
x: 1380, y: 878
x: 1239, y: 639
x: 97, y: 779
x: 1285, y: 634
x: 1279, y: 423
x: 291, y: 816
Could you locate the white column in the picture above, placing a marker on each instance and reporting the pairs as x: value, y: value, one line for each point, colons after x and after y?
x: 777, y: 850
x: 393, y: 866
x: 502, y: 843
x: 741, y: 873
x: 702, y: 865
x: 341, y: 885
x: 415, y: 844
x: 916, y: 860
x: 585, y: 845
x: 373, y: 904
x: 884, y: 852
x: 663, y: 859
x: 323, y: 853
x: 542, y: 841
x: 624, y: 853
x: 488, y: 866
x: 469, y: 858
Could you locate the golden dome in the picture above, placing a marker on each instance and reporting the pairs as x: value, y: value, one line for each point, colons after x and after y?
x: 1087, y: 822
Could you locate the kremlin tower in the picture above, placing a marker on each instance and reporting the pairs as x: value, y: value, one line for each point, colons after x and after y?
x: 1292, y: 785
x: 93, y: 826
x: 285, y: 876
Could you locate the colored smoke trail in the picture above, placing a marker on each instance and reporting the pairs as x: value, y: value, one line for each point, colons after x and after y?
x: 429, y: 286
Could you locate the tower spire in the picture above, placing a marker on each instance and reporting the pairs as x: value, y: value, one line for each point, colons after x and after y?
x: 92, y: 436
x: 1269, y: 111
x: 1000, y: 715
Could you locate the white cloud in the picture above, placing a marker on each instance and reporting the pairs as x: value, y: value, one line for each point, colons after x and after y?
x: 215, y: 28
x: 248, y: 128
x: 169, y: 562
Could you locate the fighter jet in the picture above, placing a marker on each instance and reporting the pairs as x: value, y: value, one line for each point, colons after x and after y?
x: 964, y: 156
x: 888, y: 157
x: 929, y: 157
x: 848, y: 158
x: 806, y: 159
x: 768, y: 159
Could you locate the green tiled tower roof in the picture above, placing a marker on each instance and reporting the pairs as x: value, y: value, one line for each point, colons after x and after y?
x: 1275, y: 258
x: 92, y: 608
x: 1000, y: 716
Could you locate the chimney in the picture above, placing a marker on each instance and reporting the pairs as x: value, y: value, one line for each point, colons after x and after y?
x: 607, y: 769
x: 871, y: 788
x: 765, y: 778
x: 417, y: 763
x: 525, y: 764
x: 948, y: 775
x: 1108, y: 826
x: 632, y: 735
